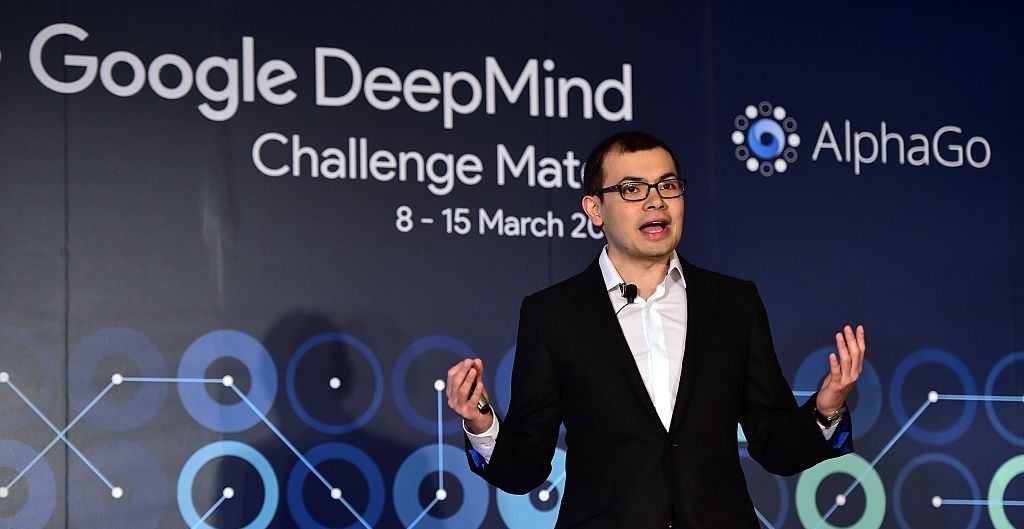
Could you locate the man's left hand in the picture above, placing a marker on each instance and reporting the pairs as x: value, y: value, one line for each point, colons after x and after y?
x: 845, y: 369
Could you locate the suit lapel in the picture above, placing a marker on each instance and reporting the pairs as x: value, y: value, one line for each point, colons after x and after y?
x: 592, y: 298
x: 701, y: 300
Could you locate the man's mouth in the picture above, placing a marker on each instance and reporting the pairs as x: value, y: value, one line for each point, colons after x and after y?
x: 654, y: 226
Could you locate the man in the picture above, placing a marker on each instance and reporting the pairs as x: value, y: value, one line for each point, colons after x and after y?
x: 649, y: 380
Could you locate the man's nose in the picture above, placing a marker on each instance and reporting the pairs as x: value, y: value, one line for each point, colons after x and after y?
x: 654, y: 200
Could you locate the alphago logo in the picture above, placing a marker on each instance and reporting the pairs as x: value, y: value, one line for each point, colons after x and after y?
x: 765, y: 138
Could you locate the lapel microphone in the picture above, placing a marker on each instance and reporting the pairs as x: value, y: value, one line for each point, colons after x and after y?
x: 628, y: 291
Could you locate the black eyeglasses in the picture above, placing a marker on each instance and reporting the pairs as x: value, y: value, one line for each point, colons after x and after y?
x: 635, y: 191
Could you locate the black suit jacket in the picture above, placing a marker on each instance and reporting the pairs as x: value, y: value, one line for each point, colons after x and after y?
x: 623, y: 469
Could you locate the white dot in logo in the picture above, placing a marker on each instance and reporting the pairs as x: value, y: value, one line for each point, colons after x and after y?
x: 737, y: 137
x: 781, y: 166
x: 752, y: 164
x: 750, y: 112
x: 779, y: 113
x: 793, y: 140
x: 936, y: 501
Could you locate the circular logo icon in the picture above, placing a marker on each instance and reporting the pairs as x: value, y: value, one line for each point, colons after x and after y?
x: 765, y: 138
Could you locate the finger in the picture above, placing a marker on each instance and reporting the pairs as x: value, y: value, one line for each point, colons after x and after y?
x: 458, y: 379
x: 844, y: 354
x: 854, y: 349
x: 479, y: 365
x: 833, y: 372
x: 862, y: 345
x: 466, y: 389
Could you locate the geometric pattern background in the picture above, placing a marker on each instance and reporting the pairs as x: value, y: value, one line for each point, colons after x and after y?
x: 241, y: 243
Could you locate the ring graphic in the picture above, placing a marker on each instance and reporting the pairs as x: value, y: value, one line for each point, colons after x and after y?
x: 943, y: 358
x: 334, y: 452
x: 378, y: 383
x: 227, y: 418
x: 421, y: 464
x: 117, y: 342
x: 223, y: 449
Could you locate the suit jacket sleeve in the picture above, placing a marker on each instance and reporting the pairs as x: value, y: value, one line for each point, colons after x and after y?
x: 784, y: 438
x: 521, y: 460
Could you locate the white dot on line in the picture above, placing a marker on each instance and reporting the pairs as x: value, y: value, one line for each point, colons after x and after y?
x: 4, y: 377
x: 4, y: 492
x: 228, y: 381
x: 543, y: 495
x: 335, y: 382
x: 441, y: 495
x: 936, y: 501
x: 336, y: 494
x: 439, y: 384
x: 840, y: 499
x: 933, y: 396
x: 228, y: 493
x: 117, y: 379
x: 117, y: 492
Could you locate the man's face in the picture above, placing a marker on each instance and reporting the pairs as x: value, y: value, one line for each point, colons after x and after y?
x: 648, y: 230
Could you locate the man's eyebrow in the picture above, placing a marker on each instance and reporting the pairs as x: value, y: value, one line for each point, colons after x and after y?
x: 665, y: 176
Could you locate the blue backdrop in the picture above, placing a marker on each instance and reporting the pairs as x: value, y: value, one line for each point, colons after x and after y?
x: 241, y: 241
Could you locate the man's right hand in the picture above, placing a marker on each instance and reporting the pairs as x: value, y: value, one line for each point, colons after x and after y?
x: 464, y: 387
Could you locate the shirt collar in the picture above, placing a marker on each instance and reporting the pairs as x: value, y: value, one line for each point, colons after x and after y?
x: 612, y: 279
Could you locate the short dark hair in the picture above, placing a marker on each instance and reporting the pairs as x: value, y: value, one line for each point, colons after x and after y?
x: 621, y: 143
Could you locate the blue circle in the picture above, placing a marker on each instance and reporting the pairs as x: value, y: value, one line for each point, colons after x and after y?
x: 378, y: 383
x: 776, y: 138
x: 867, y: 407
x: 424, y: 462
x: 223, y: 449
x: 128, y: 466
x: 933, y: 356
x: 518, y: 510
x: 227, y: 418
x: 989, y: 405
x: 503, y: 379
x: 780, y: 520
x: 42, y: 488
x: 149, y: 362
x: 19, y: 345
x: 934, y: 457
x: 411, y: 353
x: 335, y: 452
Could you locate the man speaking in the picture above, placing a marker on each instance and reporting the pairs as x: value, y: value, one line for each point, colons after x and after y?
x: 649, y: 362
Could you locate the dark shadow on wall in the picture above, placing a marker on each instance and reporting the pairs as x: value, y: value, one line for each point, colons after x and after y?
x: 322, y: 423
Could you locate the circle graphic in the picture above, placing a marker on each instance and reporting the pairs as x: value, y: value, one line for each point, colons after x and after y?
x: 39, y: 374
x: 42, y: 487
x: 866, y: 398
x: 943, y: 459
x: 519, y: 512
x: 398, y: 379
x: 332, y: 452
x: 135, y: 471
x: 223, y: 449
x: 990, y: 410
x: 854, y: 466
x: 943, y: 358
x: 766, y: 138
x: 226, y: 343
x: 424, y: 462
x: 88, y: 355
x: 997, y: 491
x: 378, y: 383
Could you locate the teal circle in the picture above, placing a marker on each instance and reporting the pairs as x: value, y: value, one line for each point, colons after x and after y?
x: 854, y: 466
x: 1012, y: 468
x: 518, y: 511
x: 222, y: 449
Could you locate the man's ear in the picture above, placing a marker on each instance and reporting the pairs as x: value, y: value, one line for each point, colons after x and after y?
x: 592, y: 207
